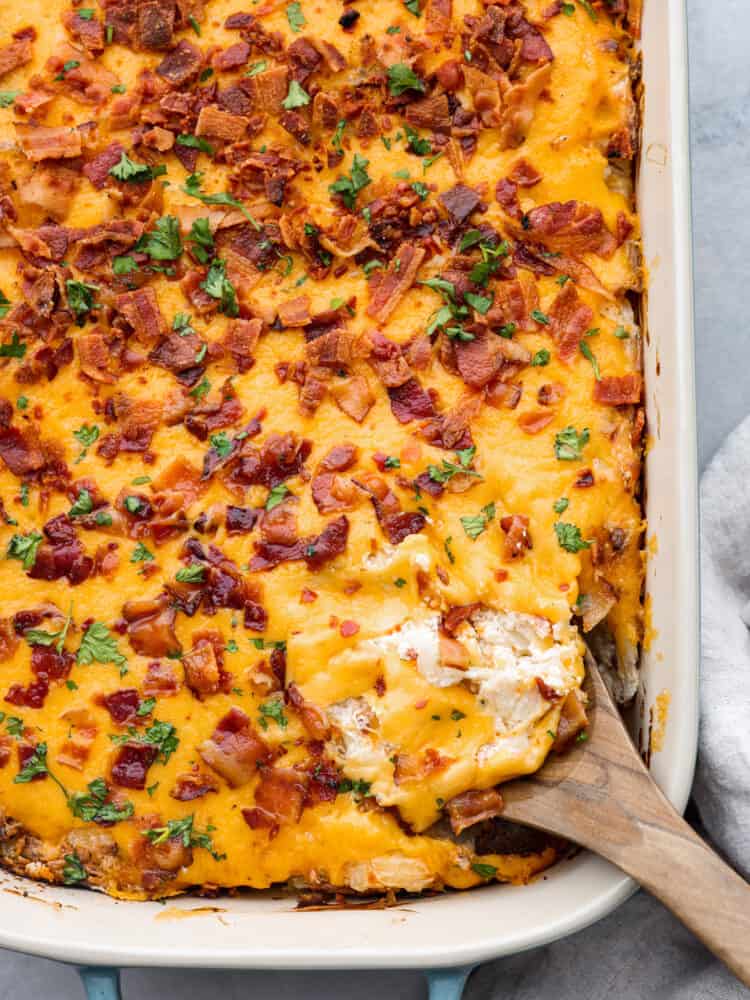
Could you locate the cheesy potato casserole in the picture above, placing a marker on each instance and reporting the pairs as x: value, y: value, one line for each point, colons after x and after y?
x: 320, y: 432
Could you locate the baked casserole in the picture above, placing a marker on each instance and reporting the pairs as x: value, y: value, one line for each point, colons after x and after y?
x: 320, y: 431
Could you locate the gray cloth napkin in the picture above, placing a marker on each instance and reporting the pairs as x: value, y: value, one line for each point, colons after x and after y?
x: 641, y: 952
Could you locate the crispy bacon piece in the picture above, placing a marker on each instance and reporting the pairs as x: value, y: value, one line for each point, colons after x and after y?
x: 395, y: 523
x: 97, y: 169
x: 204, y: 665
x: 330, y: 491
x: 316, y: 550
x: 279, y: 800
x: 218, y: 124
x: 82, y: 731
x: 418, y: 767
x: 232, y: 57
x: 61, y: 554
x: 479, y: 360
x: 619, y: 390
x: 193, y: 784
x: 279, y: 458
x: 42, y: 142
x: 234, y: 750
x: 524, y: 174
x: 573, y: 720
x: 156, y: 24
x: 93, y: 356
x: 160, y: 680
x: 389, y: 288
x: 268, y: 90
x: 550, y: 393
x: 18, y: 52
x: 312, y: 718
x: 410, y: 401
x: 8, y: 640
x: 19, y: 452
x: 353, y: 396
x: 132, y: 761
x: 570, y: 318
x: 182, y: 64
x: 88, y: 31
x: 534, y: 421
x: 241, y: 520
x: 460, y: 202
x: 438, y: 17
x: 85, y: 80
x: 151, y: 626
x: 570, y: 227
x: 140, y: 309
x: 25, y: 752
x: 431, y: 112
x: 295, y: 312
x: 519, y: 106
x: 122, y: 705
x: 472, y: 807
x: 517, y: 537
x: 240, y: 341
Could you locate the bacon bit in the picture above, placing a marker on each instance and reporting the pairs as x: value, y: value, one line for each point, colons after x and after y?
x: 240, y: 341
x: 419, y: 767
x: 547, y: 692
x: 388, y: 360
x: 573, y: 720
x: 234, y: 750
x: 457, y: 616
x: 130, y: 766
x: 503, y: 394
x: 585, y: 479
x: 75, y: 751
x: 93, y: 356
x: 524, y: 174
x: 460, y: 202
x: 550, y: 393
x: 506, y: 193
x: 21, y: 455
x: 151, y: 626
x: 348, y: 629
x: 474, y: 806
x: 86, y: 81
x: 534, y: 421
x: 18, y: 52
x: 519, y: 105
x: 61, y: 554
x: 160, y: 680
x: 315, y: 550
x: 571, y: 227
x: 334, y: 60
x: 140, y: 308
x: 193, y: 784
x: 90, y: 33
x: 387, y: 289
x: 353, y: 397
x: 203, y: 665
x: 182, y: 64
x: 220, y: 124
x: 431, y: 112
x: 8, y: 640
x: 308, y: 596
x: 278, y: 459
x: 453, y: 653
x: 159, y: 139
x: 479, y: 360
x: 279, y: 800
x: 268, y: 90
x: 122, y: 705
x: 232, y: 57
x: 395, y: 523
x: 312, y: 718
x: 518, y: 539
x: 295, y: 312
x: 570, y: 318
x: 501, y: 575
x: 41, y: 142
x: 410, y: 401
x: 619, y: 390
x: 438, y: 17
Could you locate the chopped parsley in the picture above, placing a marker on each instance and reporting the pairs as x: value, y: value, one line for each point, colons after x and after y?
x: 83, y: 504
x: 277, y: 495
x: 297, y: 96
x: 7, y: 97
x: 201, y: 390
x: 541, y: 358
x: 448, y: 550
x: 569, y: 537
x: 474, y: 526
x: 16, y: 348
x: 73, y: 870
x: 24, y: 548
x: 141, y: 554
x: 182, y: 829
x: 257, y: 67
x: 561, y: 505
x: 130, y: 171
x: 402, y: 78
x: 192, y: 186
x: 483, y: 870
x: 163, y: 242
x: 98, y: 646
x: 591, y: 357
x: 190, y: 574
x: 540, y: 317
x: 36, y: 764
x: 80, y: 298
x: 272, y: 709
x: 413, y: 7
x: 348, y: 187
x: 92, y: 807
x: 569, y: 444
x: 447, y: 470
x: 415, y: 144
x: 422, y: 190
x: 195, y: 142
x: 218, y: 286
x: 86, y: 435
x: 356, y: 786
x: 124, y: 265
x: 221, y: 444
x: 295, y: 17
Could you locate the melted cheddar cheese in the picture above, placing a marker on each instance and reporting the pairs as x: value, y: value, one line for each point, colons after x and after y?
x: 319, y: 428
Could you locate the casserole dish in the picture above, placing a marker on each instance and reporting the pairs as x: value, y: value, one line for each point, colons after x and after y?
x: 265, y: 932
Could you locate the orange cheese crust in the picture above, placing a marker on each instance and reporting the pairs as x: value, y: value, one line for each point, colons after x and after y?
x: 320, y: 432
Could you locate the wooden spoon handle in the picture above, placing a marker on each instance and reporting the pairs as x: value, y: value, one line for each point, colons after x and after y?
x: 692, y: 881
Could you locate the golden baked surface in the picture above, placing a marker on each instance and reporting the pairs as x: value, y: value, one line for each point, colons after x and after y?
x: 320, y: 431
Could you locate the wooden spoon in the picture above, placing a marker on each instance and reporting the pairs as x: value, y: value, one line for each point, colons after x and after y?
x: 601, y: 796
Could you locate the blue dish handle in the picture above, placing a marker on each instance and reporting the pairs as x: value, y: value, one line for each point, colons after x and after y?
x: 444, y: 984
x: 101, y: 983
x: 447, y: 984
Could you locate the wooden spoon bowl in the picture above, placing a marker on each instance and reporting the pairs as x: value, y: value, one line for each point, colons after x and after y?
x: 600, y: 795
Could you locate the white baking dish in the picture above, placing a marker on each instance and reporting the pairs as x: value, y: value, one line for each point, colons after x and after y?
x: 461, y: 929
